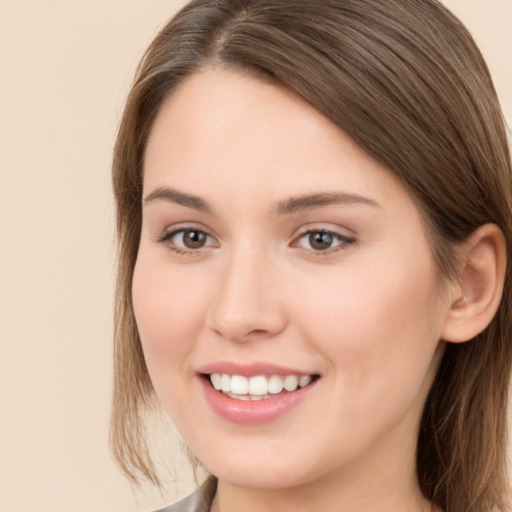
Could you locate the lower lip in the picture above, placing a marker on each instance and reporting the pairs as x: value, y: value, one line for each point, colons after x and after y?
x: 253, y: 412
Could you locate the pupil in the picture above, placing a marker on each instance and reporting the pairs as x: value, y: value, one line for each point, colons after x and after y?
x: 194, y: 239
x: 320, y: 241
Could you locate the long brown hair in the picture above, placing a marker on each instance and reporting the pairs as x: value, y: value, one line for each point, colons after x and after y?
x: 406, y: 81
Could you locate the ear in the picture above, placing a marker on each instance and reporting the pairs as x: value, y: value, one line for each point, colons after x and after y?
x: 476, y: 297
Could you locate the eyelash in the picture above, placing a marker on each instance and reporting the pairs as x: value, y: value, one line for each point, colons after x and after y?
x: 166, y: 239
x: 342, y: 241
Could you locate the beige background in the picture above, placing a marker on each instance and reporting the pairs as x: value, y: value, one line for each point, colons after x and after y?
x: 65, y: 67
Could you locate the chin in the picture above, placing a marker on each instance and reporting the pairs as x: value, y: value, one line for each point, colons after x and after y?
x: 256, y: 478
x: 270, y: 474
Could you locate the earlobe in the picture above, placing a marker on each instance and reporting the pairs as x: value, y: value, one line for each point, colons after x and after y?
x: 477, y: 295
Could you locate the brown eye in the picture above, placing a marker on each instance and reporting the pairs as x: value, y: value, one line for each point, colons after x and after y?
x: 194, y: 239
x: 320, y: 241
x: 187, y: 240
x: 323, y: 241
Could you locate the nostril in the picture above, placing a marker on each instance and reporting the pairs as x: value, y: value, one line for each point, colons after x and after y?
x: 257, y: 333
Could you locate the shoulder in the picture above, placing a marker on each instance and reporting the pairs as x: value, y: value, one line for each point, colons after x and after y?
x: 199, y: 501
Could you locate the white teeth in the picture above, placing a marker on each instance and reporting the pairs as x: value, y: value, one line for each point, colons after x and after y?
x: 226, y: 383
x: 246, y: 398
x: 291, y: 382
x: 258, y: 387
x: 305, y: 380
x: 275, y: 384
x: 216, y: 379
x: 239, y: 385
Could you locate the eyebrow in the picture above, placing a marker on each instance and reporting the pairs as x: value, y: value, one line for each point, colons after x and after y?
x: 174, y: 196
x: 286, y: 207
x: 312, y: 201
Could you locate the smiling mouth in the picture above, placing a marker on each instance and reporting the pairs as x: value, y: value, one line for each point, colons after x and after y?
x: 258, y: 387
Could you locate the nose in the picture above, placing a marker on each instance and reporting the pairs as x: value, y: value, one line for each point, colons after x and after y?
x: 247, y: 305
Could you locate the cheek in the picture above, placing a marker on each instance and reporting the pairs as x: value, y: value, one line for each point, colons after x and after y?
x: 168, y: 307
x: 377, y: 324
x: 376, y: 333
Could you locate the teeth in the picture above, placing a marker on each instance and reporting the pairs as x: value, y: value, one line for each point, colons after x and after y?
x: 239, y: 385
x: 216, y: 379
x: 226, y: 383
x: 275, y: 384
x: 304, y: 380
x: 258, y: 387
x: 291, y: 382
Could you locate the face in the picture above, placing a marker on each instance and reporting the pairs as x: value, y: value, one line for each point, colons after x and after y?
x: 274, y: 252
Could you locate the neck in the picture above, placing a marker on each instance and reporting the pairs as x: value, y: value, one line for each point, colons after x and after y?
x: 233, y: 499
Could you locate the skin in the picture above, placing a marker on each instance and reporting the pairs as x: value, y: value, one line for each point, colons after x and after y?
x: 365, y: 314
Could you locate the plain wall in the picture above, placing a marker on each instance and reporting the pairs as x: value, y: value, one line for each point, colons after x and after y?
x: 65, y: 68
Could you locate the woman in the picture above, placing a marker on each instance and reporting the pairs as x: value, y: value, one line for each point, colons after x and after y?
x: 314, y: 222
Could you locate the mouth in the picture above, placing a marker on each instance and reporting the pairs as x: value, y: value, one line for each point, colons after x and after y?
x: 258, y: 387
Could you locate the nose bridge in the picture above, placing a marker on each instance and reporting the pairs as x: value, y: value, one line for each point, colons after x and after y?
x: 247, y: 302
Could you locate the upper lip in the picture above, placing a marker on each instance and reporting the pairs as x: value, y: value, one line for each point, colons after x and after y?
x: 250, y: 369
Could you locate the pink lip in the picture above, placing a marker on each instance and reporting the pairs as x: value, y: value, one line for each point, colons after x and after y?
x: 248, y: 412
x: 249, y: 370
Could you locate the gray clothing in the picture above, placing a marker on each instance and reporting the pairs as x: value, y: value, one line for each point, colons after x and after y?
x: 199, y: 501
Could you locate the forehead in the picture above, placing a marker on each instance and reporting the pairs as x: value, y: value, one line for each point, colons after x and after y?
x: 223, y: 132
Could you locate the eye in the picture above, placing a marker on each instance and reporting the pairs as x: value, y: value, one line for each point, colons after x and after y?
x: 187, y: 240
x: 322, y: 241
